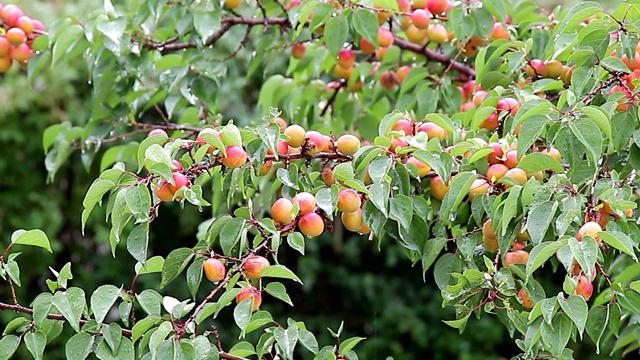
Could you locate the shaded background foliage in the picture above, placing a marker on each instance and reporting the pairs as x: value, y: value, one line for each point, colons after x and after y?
x: 376, y: 293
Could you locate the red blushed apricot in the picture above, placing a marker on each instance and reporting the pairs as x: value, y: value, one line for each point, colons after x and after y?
x: 298, y: 50
x: 156, y: 132
x: 315, y: 143
x: 398, y: 143
x: 434, y: 130
x: 236, y: 157
x: 388, y: 80
x: 404, y: 125
x: 346, y: 58
x: 343, y: 73
x: 584, y: 287
x: 517, y: 174
x: 352, y: 221
x: 181, y: 181
x: 248, y: 294
x: 478, y: 187
x: 423, y: 169
x: 327, y: 176
x: 516, y: 257
x: 553, y: 152
x: 437, y: 6
x: 311, y: 224
x: 200, y: 139
x: 525, y: 300
x: 348, y: 144
x: 437, y: 33
x: 306, y: 202
x: 465, y: 106
x: 479, y: 97
x: 421, y: 18
x: 214, y: 269
x: 417, y: 36
x: 232, y: 4
x: 402, y: 73
x: 511, y: 159
x: 472, y: 47
x: 495, y: 157
x: 296, y: 134
x: 163, y: 192
x: 366, y: 46
x: 496, y: 172
x: 508, y: 104
x: 592, y: 229
x: 281, y: 211
x: 265, y: 168
x: 16, y: 36
x: 500, y: 32
x: 438, y: 188
x: 349, y: 201
x: 385, y: 37
x: 491, y: 123
x: 254, y: 265
x: 517, y: 245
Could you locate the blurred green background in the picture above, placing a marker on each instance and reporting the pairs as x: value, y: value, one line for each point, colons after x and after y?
x: 377, y: 293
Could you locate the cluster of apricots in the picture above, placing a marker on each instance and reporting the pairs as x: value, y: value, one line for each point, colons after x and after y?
x: 16, y: 36
x: 549, y: 69
x: 215, y: 270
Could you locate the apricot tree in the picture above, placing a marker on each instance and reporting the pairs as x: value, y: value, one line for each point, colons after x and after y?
x: 487, y: 139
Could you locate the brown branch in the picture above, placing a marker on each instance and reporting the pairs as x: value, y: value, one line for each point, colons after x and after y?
x: 434, y: 56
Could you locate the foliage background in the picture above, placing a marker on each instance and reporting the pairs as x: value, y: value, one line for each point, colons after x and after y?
x: 376, y: 293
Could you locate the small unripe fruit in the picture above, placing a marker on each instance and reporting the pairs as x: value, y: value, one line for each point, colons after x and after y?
x: 525, y: 299
x: 496, y: 172
x: 281, y: 211
x: 298, y: 50
x: 385, y: 37
x: 592, y: 229
x: 348, y: 144
x: 567, y: 73
x: 517, y: 174
x: 554, y: 69
x: 438, y: 187
x: 423, y: 169
x: 478, y: 187
x: 254, y: 265
x: 306, y: 202
x: 236, y: 157
x: 346, y: 58
x: 516, y: 257
x: 349, y: 201
x: 296, y: 134
x: 315, y: 142
x: 584, y: 287
x: 311, y: 224
x: 352, y: 221
x: 248, y: 294
x: 421, y: 18
x: 487, y: 229
x: 434, y: 130
x: 417, y: 36
x: 214, y: 269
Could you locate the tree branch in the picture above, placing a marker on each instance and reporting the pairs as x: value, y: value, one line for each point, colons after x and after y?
x: 434, y: 56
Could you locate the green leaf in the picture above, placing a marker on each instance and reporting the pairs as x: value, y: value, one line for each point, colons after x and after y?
x: 630, y: 301
x: 206, y: 23
x: 278, y: 291
x: 541, y: 253
x: 576, y: 308
x: 102, y: 300
x: 94, y: 195
x: 600, y: 117
x: 348, y: 344
x: 33, y: 238
x: 287, y: 340
x: 112, y: 334
x: 538, y: 161
x: 459, y: 323
x: 36, y: 342
x: 585, y: 252
x: 432, y: 248
x: 153, y: 265
x: 401, y: 210
x: 41, y: 306
x: 242, y: 313
x: 308, y: 340
x: 445, y: 266
x: 16, y: 325
x: 539, y: 219
x: 8, y: 345
x: 615, y: 64
x: 458, y: 189
x: 296, y: 241
x: 71, y: 304
x: 175, y: 263
x: 620, y: 241
x: 64, y: 42
x: 366, y: 25
x: 125, y: 351
x: 142, y: 326
x: 230, y: 234
x: 343, y: 172
x: 557, y: 334
x: 279, y: 271
x: 138, y: 242
x: 597, y: 321
x: 577, y: 15
x: 590, y: 135
x: 336, y: 32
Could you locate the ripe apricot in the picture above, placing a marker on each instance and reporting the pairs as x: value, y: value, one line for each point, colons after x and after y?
x: 516, y: 257
x: 487, y: 229
x: 500, y: 32
x: 352, y: 221
x: 517, y: 174
x: 385, y: 37
x: 254, y: 265
x: 281, y: 211
x: 232, y: 4
x: 236, y: 157
x: 346, y: 58
x: 525, y: 300
x: 163, y: 192
x: 248, y: 294
x: 201, y: 140
x: 296, y: 134
x: 495, y: 157
x: 497, y: 172
x: 416, y: 35
x: 437, y: 6
x: 214, y: 269
x: 508, y: 104
x: 402, y: 73
x: 434, y: 130
x: 315, y: 142
x: 16, y: 36
x: 592, y: 229
x: 404, y: 125
x: 311, y: 224
x: 348, y: 144
x: 490, y: 244
x: 366, y: 47
x: 298, y: 50
x: 156, y: 132
x: 438, y: 187
x: 423, y: 169
x: 388, y: 80
x: 421, y: 18
x: 349, y: 201
x: 306, y: 202
x: 478, y: 187
x: 584, y: 287
x: 491, y: 123
x: 553, y: 152
x: 479, y: 97
x: 327, y: 176
x: 554, y: 69
x: 437, y: 33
